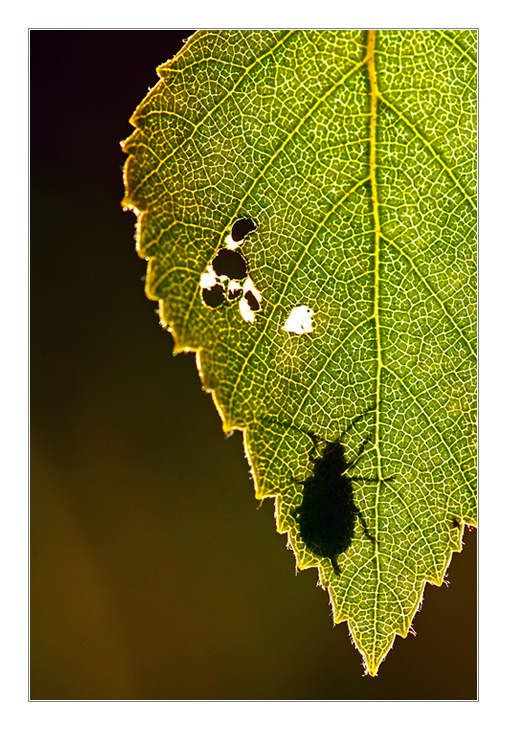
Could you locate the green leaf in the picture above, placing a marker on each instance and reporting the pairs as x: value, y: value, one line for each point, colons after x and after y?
x: 353, y: 152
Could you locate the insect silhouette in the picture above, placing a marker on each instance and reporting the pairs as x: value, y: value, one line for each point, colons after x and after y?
x: 327, y: 513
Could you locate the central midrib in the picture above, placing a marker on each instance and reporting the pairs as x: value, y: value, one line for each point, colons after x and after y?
x: 374, y: 99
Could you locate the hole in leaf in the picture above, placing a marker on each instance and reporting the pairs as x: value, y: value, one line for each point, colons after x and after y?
x: 249, y: 303
x: 214, y: 296
x: 241, y: 227
x: 299, y: 320
x: 234, y: 290
x: 208, y: 279
x: 230, y: 263
x: 252, y: 301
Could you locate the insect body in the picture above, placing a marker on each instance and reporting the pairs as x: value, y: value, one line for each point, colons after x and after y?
x: 327, y: 513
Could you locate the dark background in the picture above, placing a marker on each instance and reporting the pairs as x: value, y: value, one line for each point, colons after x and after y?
x: 153, y: 575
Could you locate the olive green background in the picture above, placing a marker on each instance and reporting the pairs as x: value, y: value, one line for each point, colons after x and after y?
x: 153, y: 574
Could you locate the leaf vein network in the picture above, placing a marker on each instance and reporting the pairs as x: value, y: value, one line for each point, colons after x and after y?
x: 433, y: 294
x: 268, y: 164
x: 457, y: 46
x: 304, y: 251
x: 436, y: 155
x: 430, y: 424
x: 174, y: 150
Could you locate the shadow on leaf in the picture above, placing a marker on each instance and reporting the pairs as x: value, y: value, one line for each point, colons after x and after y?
x: 327, y: 513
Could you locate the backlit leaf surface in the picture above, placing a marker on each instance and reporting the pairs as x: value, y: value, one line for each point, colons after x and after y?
x: 354, y: 154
